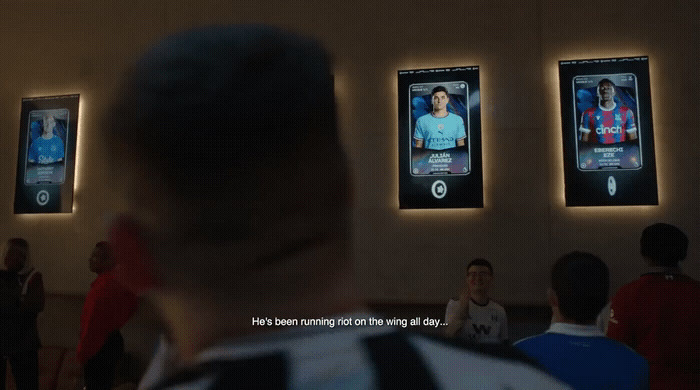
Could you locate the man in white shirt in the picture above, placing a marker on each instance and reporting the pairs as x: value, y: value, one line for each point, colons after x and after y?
x: 474, y: 316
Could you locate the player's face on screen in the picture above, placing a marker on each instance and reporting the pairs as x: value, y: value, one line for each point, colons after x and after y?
x: 49, y: 124
x: 606, y: 91
x: 440, y: 100
x: 479, y: 278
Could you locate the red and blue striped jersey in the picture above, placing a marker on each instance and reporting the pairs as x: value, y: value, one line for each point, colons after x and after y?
x: 611, y: 126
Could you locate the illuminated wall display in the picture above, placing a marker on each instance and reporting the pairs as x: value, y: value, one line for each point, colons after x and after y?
x: 607, y: 132
x: 46, y: 157
x: 440, y: 138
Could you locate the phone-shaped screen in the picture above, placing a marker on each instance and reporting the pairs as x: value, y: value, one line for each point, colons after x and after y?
x: 439, y: 126
x: 606, y: 112
x: 47, y: 131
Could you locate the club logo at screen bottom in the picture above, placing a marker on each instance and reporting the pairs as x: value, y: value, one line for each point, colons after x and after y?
x: 42, y: 198
x: 612, y: 186
x: 439, y: 189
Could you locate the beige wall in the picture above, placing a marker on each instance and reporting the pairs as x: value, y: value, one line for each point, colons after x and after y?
x: 61, y: 47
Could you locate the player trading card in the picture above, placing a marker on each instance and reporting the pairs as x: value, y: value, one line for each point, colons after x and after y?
x: 48, y: 129
x: 46, y: 151
x: 439, y: 118
x: 607, y: 129
x: 607, y: 132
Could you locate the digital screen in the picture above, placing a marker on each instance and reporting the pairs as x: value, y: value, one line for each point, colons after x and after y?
x: 46, y: 150
x: 440, y: 138
x: 607, y: 132
x: 606, y: 112
x: 46, y: 157
x: 440, y: 144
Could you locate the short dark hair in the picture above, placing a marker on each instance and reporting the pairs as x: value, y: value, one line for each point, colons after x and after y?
x: 106, y: 247
x: 664, y: 244
x: 482, y: 262
x: 439, y: 88
x: 581, y: 281
x: 18, y: 242
x: 605, y: 81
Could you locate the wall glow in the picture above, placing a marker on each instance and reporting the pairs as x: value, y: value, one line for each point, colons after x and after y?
x: 79, y: 168
x: 343, y: 99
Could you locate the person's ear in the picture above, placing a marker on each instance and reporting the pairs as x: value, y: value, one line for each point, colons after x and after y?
x: 134, y: 264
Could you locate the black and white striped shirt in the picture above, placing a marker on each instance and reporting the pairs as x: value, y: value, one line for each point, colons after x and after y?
x: 359, y: 358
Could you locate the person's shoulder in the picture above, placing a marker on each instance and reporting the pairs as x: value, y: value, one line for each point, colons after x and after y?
x: 454, y: 117
x: 689, y: 279
x: 102, y: 282
x: 618, y: 353
x: 35, y: 277
x: 470, y: 350
x: 635, y: 285
x: 424, y: 117
x: 499, y: 363
x: 530, y: 341
x: 497, y: 306
x: 621, y: 349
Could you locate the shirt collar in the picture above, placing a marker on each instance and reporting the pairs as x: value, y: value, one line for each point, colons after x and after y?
x: 607, y: 109
x: 664, y: 270
x: 575, y: 330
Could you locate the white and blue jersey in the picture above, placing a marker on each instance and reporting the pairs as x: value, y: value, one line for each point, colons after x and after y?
x: 440, y: 133
x: 46, y: 151
x: 583, y: 357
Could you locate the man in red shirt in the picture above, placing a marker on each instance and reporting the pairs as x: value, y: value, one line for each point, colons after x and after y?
x: 108, y: 306
x: 658, y: 314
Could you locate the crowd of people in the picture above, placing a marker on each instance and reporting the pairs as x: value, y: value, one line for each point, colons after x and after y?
x: 236, y: 226
x: 108, y: 306
x: 650, y: 337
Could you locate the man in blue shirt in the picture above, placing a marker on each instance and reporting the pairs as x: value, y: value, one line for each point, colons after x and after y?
x: 574, y: 349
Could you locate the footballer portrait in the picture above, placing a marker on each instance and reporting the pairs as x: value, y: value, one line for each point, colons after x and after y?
x: 607, y: 132
x: 46, y: 140
x: 439, y: 126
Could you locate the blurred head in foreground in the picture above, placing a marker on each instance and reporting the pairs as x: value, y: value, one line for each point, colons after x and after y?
x: 237, y: 181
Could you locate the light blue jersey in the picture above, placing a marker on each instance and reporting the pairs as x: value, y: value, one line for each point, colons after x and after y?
x: 440, y: 133
x: 583, y: 357
x: 46, y: 151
